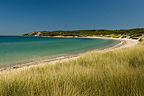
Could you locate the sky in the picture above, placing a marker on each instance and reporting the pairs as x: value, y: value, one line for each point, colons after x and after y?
x: 24, y: 16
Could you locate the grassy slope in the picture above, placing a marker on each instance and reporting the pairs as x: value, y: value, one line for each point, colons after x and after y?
x: 110, y: 73
x: 133, y: 33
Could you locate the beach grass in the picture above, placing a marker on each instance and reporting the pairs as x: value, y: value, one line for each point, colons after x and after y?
x: 108, y: 73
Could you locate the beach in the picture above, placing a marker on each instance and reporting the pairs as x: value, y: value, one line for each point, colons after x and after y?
x: 124, y: 43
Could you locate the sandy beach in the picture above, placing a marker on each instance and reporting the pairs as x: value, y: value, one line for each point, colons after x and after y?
x: 124, y: 43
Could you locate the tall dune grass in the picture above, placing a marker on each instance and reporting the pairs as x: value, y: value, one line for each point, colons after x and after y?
x: 110, y: 73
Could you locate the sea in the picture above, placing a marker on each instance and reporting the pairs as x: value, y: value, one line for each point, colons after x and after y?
x: 21, y: 49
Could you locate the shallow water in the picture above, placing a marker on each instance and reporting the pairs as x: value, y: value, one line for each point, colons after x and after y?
x: 18, y: 49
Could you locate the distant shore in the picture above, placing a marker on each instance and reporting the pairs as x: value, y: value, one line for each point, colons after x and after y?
x: 124, y: 43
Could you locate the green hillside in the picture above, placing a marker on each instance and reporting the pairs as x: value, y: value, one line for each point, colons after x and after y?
x: 132, y: 33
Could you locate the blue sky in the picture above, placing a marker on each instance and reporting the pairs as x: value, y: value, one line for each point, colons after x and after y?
x: 22, y: 16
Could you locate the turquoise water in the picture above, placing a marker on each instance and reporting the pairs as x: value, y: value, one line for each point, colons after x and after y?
x: 18, y: 49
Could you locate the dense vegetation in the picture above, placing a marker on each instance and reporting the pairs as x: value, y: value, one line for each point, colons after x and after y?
x: 132, y: 33
x: 110, y: 73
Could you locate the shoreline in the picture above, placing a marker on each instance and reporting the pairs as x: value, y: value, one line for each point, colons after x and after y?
x: 124, y: 43
x: 128, y: 42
